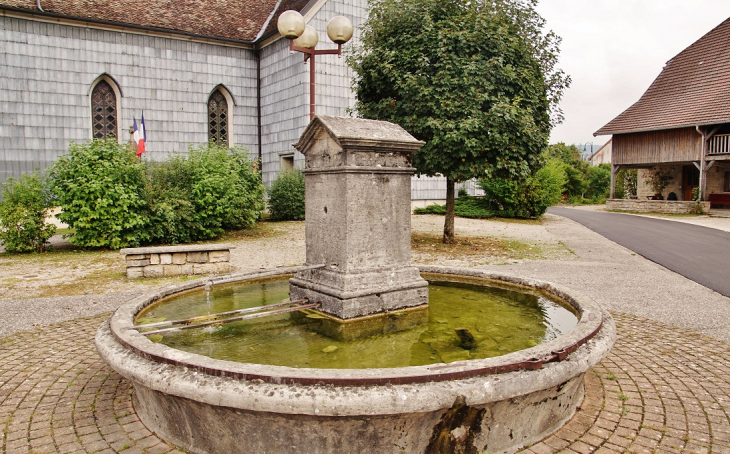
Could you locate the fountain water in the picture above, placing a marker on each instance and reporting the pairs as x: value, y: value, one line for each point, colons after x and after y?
x: 358, y: 265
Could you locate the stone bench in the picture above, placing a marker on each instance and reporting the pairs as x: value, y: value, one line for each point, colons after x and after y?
x: 178, y: 260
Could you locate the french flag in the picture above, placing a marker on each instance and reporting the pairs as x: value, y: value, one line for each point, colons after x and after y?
x: 140, y: 135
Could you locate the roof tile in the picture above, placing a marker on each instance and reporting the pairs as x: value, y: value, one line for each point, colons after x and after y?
x: 692, y: 89
x: 230, y: 19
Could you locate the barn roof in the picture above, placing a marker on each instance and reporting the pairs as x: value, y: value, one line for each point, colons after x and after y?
x: 693, y: 89
x: 239, y: 20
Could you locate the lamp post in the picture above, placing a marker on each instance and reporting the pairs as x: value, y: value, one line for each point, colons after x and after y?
x: 585, y: 148
x: 304, y: 38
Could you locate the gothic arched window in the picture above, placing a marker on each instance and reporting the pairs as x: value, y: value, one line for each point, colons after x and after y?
x: 218, y: 118
x: 103, y: 111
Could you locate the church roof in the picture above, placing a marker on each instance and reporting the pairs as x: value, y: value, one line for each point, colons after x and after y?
x: 240, y: 20
x: 693, y: 89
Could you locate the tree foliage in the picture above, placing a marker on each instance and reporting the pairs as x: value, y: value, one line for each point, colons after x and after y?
x: 568, y: 154
x: 598, y: 180
x: 626, y: 182
x: 476, y: 80
x: 24, y: 206
x: 584, y: 183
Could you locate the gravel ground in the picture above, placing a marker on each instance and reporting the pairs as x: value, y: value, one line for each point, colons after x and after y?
x: 578, y: 258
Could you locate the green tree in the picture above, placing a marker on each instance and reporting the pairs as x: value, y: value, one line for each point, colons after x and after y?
x: 569, y: 154
x: 24, y: 206
x: 475, y: 80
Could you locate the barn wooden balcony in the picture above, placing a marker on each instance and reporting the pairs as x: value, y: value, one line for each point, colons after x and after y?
x: 719, y: 145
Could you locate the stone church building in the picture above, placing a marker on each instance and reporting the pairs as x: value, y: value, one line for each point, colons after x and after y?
x: 73, y: 70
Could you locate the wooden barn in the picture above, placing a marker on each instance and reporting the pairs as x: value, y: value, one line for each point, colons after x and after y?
x: 681, y: 125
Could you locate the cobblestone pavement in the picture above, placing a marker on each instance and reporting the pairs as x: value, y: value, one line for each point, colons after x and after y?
x: 662, y: 389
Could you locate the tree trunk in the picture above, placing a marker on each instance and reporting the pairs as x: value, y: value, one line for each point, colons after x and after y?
x: 449, y: 218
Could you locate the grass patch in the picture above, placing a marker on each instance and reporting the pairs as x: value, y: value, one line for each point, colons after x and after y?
x: 67, y: 271
x: 473, y: 247
x: 86, y: 285
x: 58, y: 257
x: 623, y: 398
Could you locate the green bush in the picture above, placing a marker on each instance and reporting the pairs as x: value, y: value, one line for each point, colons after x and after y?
x: 526, y: 199
x: 225, y: 189
x: 100, y: 186
x: 432, y: 209
x: 465, y: 206
x: 198, y: 196
x: 171, y: 217
x: 286, y: 196
x: 24, y: 206
x: 114, y: 200
x: 575, y: 184
x: 584, y: 183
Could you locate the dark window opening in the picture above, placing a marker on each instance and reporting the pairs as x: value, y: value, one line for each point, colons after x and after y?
x: 287, y: 162
x: 103, y: 111
x: 692, y: 176
x: 218, y: 119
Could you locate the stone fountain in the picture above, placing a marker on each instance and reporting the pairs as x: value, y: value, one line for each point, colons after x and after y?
x: 358, y: 268
x: 358, y: 212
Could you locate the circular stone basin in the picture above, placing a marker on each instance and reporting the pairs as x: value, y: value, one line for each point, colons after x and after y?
x: 501, y: 319
x: 495, y: 404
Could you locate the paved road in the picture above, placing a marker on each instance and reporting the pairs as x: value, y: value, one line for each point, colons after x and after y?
x: 698, y: 253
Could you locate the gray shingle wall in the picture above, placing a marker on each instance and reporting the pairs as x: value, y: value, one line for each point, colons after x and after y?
x: 434, y: 188
x: 284, y: 104
x: 46, y: 73
x: 285, y: 86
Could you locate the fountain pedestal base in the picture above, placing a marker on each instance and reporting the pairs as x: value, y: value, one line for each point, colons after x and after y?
x: 364, y: 327
x: 352, y: 295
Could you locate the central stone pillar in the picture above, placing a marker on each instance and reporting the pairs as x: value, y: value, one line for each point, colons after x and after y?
x: 358, y: 218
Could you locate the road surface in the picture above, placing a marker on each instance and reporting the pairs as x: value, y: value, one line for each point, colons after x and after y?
x: 698, y: 253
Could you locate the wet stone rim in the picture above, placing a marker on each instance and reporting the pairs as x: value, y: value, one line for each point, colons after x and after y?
x: 590, y: 323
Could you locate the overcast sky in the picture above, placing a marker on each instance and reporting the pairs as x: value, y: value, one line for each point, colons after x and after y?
x: 614, y: 49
